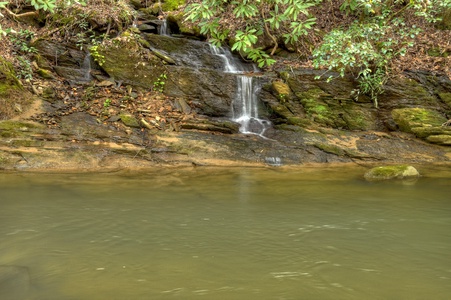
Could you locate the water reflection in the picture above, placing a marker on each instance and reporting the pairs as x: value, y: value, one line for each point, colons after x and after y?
x: 224, y: 234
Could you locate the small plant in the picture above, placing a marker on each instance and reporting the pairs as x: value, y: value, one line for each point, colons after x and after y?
x: 107, y: 103
x: 21, y: 41
x: 158, y: 84
x: 98, y: 57
x: 25, y: 71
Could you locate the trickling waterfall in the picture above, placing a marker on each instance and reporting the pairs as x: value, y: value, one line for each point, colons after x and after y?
x: 164, y: 28
x: 227, y: 58
x: 245, y: 104
x: 86, y: 67
x: 245, y: 108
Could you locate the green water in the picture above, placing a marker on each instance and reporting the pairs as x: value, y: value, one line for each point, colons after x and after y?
x: 226, y: 234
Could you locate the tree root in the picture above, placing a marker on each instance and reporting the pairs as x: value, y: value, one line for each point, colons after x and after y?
x: 22, y: 15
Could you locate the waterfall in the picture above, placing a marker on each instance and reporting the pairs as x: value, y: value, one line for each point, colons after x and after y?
x: 164, y: 29
x: 245, y: 108
x: 245, y: 104
x: 86, y: 67
x: 228, y: 59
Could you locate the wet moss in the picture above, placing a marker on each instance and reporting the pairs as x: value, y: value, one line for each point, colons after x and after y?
x: 10, y: 129
x: 333, y: 149
x: 446, y: 97
x: 441, y: 139
x: 315, y: 108
x: 281, y: 90
x: 170, y: 5
x: 409, y: 118
x: 390, y: 172
x: 129, y: 120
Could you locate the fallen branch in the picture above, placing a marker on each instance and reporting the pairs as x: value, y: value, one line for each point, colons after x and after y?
x: 22, y: 15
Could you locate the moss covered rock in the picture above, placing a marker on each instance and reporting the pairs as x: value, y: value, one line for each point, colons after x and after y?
x: 282, y: 90
x: 423, y: 123
x: 391, y: 172
x: 14, y: 99
x: 409, y: 118
x: 441, y: 139
x: 129, y: 120
x: 169, y: 5
x: 125, y: 59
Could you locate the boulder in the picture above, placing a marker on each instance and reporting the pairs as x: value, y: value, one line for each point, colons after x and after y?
x: 391, y: 172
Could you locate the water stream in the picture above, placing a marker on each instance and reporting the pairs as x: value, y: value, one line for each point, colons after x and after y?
x: 245, y: 106
x: 248, y: 234
x: 86, y: 67
x: 164, y: 28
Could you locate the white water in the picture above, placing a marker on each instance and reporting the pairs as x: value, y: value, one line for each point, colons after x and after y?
x: 164, y: 29
x: 86, y: 67
x: 245, y: 106
x: 245, y: 111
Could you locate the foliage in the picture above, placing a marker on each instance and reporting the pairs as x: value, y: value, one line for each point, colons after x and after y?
x: 159, y: 83
x: 20, y: 41
x: 368, y: 46
x: 278, y: 19
x: 98, y: 57
x: 25, y: 70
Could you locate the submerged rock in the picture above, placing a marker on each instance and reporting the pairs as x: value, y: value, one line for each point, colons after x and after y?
x: 391, y: 172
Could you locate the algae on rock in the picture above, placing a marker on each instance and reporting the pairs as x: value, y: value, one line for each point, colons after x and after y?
x: 391, y: 172
x: 14, y: 99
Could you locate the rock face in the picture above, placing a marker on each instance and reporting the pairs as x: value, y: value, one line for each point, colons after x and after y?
x: 173, y: 103
x: 14, y: 99
x: 424, y: 123
x: 391, y: 172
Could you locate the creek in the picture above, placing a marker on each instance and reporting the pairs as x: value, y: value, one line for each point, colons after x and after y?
x: 235, y: 234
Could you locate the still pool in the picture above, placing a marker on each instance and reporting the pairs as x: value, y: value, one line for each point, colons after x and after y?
x: 224, y: 234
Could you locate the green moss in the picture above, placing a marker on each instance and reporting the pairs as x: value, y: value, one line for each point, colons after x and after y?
x: 298, y: 121
x: 330, y: 149
x: 184, y: 27
x: 129, y: 120
x: 424, y: 132
x: 409, y: 118
x: 10, y: 129
x: 282, y: 90
x: 315, y: 108
x: 446, y: 97
x: 170, y: 5
x: 441, y: 139
x: 445, y: 23
x: 437, y: 52
x: 27, y: 143
x: 45, y: 74
x: 390, y: 172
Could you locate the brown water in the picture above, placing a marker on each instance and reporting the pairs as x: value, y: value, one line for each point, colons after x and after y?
x: 225, y: 234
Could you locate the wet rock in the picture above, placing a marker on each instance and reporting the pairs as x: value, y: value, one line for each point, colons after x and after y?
x: 129, y: 120
x: 46, y: 74
x: 424, y: 123
x: 409, y: 118
x: 391, y: 172
x: 282, y: 90
x: 147, y: 28
x: 441, y: 139
x: 122, y: 61
x: 223, y: 126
